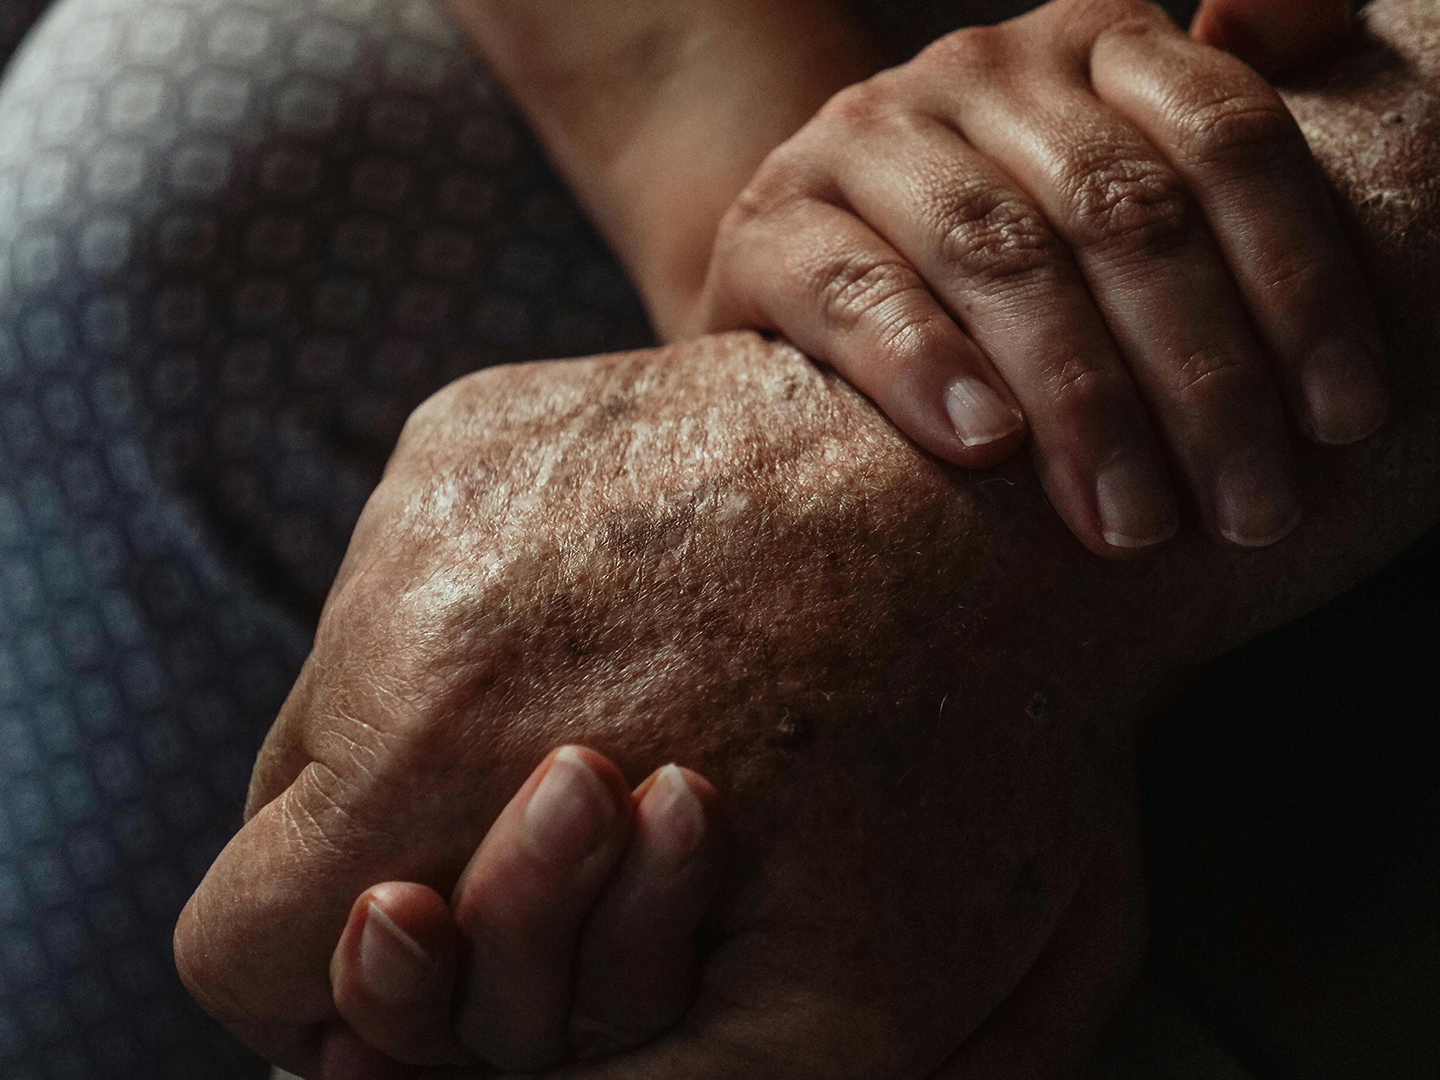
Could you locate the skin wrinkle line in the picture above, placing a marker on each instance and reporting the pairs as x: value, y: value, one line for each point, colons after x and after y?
x: 1027, y: 686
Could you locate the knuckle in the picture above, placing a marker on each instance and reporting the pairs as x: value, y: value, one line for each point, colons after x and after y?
x: 905, y: 336
x: 1296, y: 280
x: 1079, y: 392
x: 316, y: 814
x: 979, y: 53
x: 991, y: 237
x: 777, y: 184
x: 754, y: 203
x: 859, y: 287
x: 1235, y: 127
x: 785, y: 180
x: 1129, y: 203
x: 1292, y: 279
x: 1208, y: 376
x: 860, y: 106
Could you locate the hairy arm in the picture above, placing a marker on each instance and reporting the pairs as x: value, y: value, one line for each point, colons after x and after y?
x: 915, y: 689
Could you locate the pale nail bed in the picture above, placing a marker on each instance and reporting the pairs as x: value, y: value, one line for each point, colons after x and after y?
x: 1343, y: 394
x: 978, y: 413
x: 1135, y: 504
x: 568, y: 811
x: 392, y: 964
x: 677, y: 821
x: 1255, y: 505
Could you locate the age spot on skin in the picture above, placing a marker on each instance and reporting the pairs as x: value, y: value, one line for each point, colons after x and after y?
x: 617, y: 407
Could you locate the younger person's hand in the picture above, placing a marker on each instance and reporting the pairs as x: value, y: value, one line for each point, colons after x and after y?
x: 571, y: 934
x: 1087, y: 218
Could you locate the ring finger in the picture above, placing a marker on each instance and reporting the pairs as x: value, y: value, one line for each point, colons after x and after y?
x: 1163, y: 289
x: 522, y: 902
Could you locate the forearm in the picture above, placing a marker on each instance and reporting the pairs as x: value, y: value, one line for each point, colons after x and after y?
x: 658, y: 112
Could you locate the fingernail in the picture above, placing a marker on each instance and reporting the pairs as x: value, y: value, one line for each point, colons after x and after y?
x: 1255, y: 504
x: 678, y: 821
x: 1135, y: 503
x: 392, y: 963
x: 1344, y: 393
x: 568, y: 811
x: 979, y: 414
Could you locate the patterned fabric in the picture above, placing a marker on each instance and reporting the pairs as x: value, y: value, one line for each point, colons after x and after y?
x: 239, y: 241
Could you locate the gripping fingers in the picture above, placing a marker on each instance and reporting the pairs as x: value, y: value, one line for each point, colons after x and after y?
x: 991, y: 257
x: 393, y: 974
x: 637, y: 956
x: 523, y: 899
x: 1231, y: 139
x: 820, y: 276
x: 1160, y: 283
x: 394, y: 971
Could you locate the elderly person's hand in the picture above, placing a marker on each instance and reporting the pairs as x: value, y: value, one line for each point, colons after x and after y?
x: 915, y: 692
x: 579, y: 553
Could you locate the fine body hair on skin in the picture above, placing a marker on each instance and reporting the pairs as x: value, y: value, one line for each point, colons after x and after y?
x: 241, y: 242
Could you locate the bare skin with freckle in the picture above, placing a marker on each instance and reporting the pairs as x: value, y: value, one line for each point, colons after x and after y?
x: 916, y: 693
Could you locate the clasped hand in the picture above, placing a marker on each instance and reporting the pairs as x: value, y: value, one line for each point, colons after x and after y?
x: 757, y: 587
x: 1082, y: 222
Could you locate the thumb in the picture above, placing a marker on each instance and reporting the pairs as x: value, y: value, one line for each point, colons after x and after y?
x: 253, y: 944
x: 1272, y: 36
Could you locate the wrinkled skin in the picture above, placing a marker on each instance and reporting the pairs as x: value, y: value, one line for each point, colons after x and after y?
x: 916, y: 691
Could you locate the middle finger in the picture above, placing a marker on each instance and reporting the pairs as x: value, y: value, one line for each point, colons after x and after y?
x: 1158, y: 279
x: 522, y: 901
x: 989, y: 255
